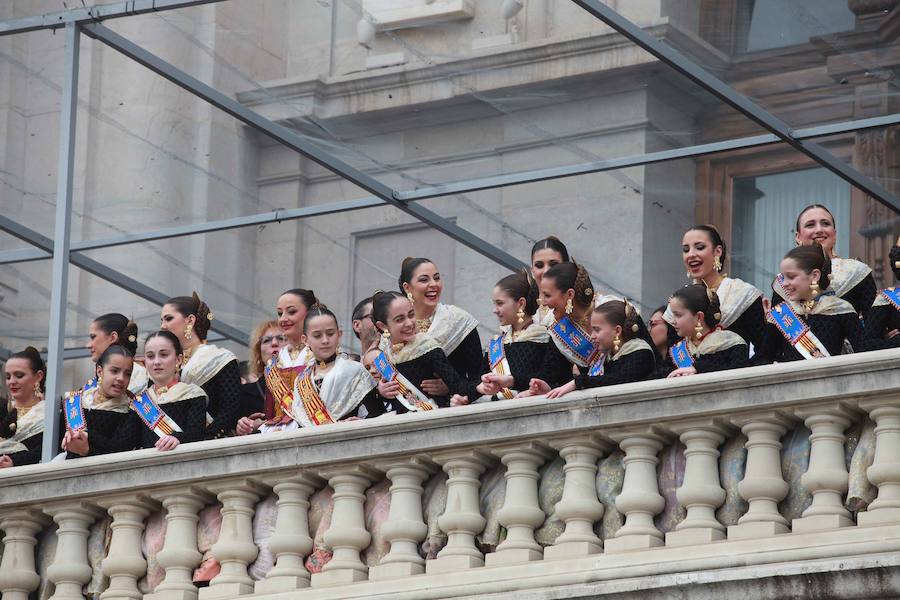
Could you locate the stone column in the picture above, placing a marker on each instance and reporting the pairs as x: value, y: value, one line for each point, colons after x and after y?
x: 640, y: 499
x: 179, y: 556
x: 405, y: 527
x: 700, y: 493
x: 579, y: 507
x: 125, y: 564
x: 18, y: 577
x: 826, y: 478
x: 462, y: 519
x: 347, y: 535
x: 521, y: 513
x: 235, y: 548
x: 70, y: 569
x: 763, y: 485
x: 291, y: 542
x: 885, y: 469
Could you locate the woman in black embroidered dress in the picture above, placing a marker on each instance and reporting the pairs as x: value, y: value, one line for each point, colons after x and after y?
x: 805, y: 281
x: 212, y: 368
x: 114, y: 328
x: 697, y: 312
x: 22, y: 429
x: 546, y: 253
x: 415, y: 355
x: 454, y: 329
x: 525, y: 342
x: 850, y: 279
x: 183, y: 403
x: 111, y: 425
x: 567, y: 290
x: 883, y: 320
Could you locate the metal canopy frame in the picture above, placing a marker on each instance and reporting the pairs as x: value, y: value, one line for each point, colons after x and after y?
x: 88, y: 20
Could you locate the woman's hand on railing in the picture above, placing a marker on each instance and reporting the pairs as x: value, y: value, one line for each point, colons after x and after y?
x: 562, y: 390
x: 247, y: 425
x: 682, y: 372
x: 166, y: 443
x: 76, y: 442
x: 5, y: 462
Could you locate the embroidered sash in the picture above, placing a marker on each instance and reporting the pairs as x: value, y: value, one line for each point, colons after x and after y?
x: 499, y: 364
x: 892, y: 294
x: 315, y: 409
x: 73, y: 411
x: 409, y: 396
x: 575, y: 341
x: 153, y: 416
x: 281, y: 390
x: 796, y: 332
x: 598, y: 367
x: 681, y: 355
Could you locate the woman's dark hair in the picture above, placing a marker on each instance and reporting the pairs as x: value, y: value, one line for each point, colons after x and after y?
x: 697, y: 297
x: 317, y: 310
x: 813, y: 257
x: 124, y: 328
x: 714, y: 237
x: 193, y: 305
x: 551, y: 243
x: 810, y: 207
x: 381, y: 303
x: 307, y: 297
x: 623, y: 314
x: 521, y: 285
x: 166, y: 335
x: 408, y: 267
x: 661, y: 310
x: 114, y: 350
x: 35, y: 362
x: 571, y: 276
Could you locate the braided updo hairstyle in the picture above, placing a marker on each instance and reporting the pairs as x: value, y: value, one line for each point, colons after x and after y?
x: 813, y: 257
x: 623, y: 314
x: 317, y: 310
x: 521, y: 285
x: 571, y: 276
x: 696, y: 298
x: 193, y: 305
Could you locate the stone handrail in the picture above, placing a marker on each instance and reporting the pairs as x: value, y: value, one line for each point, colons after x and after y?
x: 694, y: 416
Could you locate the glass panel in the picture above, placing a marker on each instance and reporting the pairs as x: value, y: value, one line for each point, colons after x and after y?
x: 779, y: 23
x: 763, y: 209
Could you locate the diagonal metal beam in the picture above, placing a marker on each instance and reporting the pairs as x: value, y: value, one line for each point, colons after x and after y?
x: 690, y: 69
x: 298, y: 143
x: 458, y: 187
x: 111, y: 275
x: 93, y: 14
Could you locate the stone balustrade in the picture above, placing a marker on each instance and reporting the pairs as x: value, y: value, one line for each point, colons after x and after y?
x: 773, y: 482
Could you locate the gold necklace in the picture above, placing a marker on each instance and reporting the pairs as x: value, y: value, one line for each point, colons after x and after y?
x: 189, y: 352
x: 423, y: 325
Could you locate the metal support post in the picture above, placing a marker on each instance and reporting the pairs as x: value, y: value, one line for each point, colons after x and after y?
x: 62, y: 232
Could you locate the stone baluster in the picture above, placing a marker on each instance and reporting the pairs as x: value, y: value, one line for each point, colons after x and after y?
x: 521, y: 513
x: 291, y: 542
x: 405, y: 527
x: 179, y: 556
x: 70, y: 569
x: 462, y: 519
x: 885, y: 470
x: 125, y: 563
x: 763, y: 485
x: 347, y: 535
x: 826, y: 478
x: 640, y: 499
x: 18, y: 577
x: 235, y: 548
x: 700, y: 493
x: 579, y: 506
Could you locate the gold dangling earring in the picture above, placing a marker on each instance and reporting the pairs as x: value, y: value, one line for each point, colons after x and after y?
x: 386, y: 334
x: 617, y: 341
x: 569, y: 306
x: 698, y: 330
x: 717, y: 264
x: 409, y: 295
x: 814, y: 289
x: 521, y: 316
x: 189, y: 332
x: 37, y: 391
